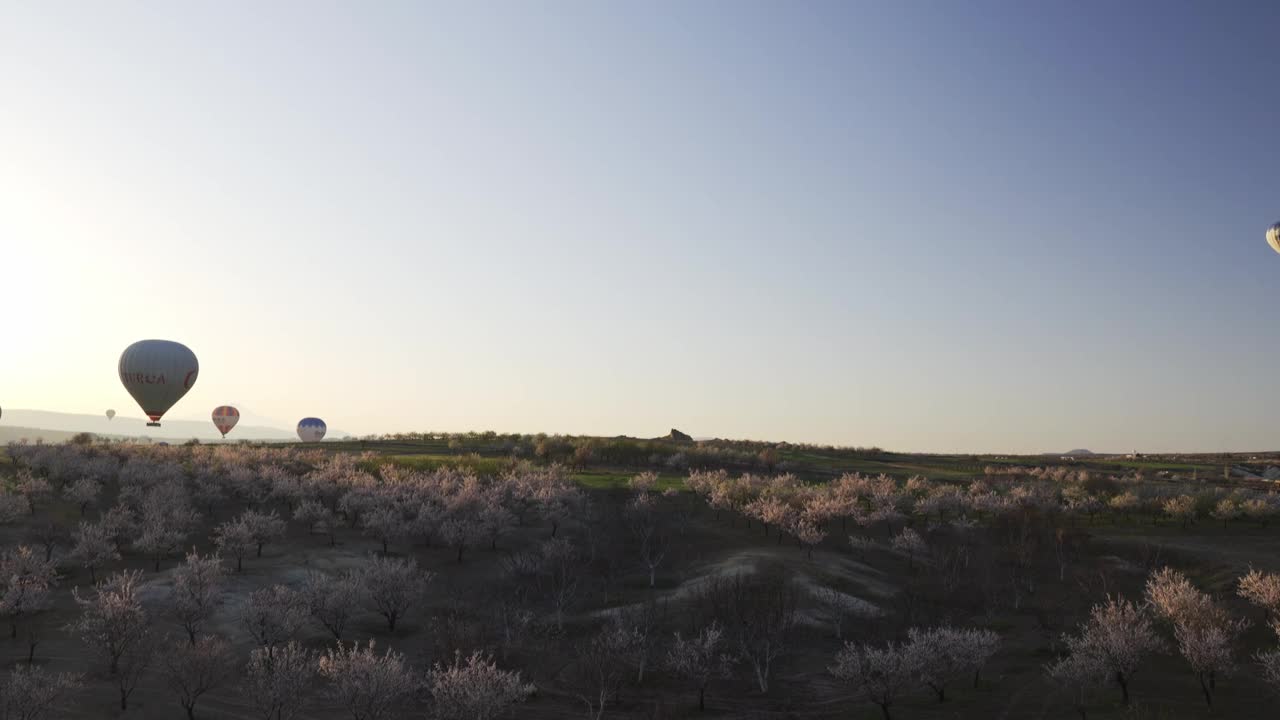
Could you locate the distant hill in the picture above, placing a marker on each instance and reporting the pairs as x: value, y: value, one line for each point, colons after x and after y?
x: 1079, y: 452
x: 56, y: 427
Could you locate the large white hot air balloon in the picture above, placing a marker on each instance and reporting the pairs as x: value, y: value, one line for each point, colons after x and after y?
x: 157, y: 373
x: 111, y: 414
x: 311, y: 429
x: 1273, y: 237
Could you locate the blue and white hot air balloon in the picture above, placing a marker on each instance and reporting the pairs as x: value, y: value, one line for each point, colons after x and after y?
x: 311, y: 429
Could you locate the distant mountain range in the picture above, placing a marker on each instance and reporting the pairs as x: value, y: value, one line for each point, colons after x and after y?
x: 56, y: 427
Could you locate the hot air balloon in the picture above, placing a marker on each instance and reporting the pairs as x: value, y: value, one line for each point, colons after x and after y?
x: 157, y: 373
x: 311, y: 429
x: 111, y: 414
x: 1273, y: 237
x: 225, y: 417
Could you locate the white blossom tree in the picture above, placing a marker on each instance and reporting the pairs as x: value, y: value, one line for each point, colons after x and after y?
x: 331, y: 599
x: 236, y: 539
x: 272, y: 616
x: 1205, y: 632
x: 192, y: 669
x: 28, y: 692
x: 368, y: 685
x: 474, y: 688
x: 279, y: 681
x: 26, y: 579
x: 878, y: 674
x: 946, y: 652
x: 1082, y: 676
x: 112, y: 619
x: 701, y: 659
x: 197, y: 586
x: 92, y: 547
x: 393, y: 586
x: 1120, y: 635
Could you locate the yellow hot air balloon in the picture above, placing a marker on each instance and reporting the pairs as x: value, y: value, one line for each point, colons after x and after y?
x: 1273, y: 237
x: 157, y: 373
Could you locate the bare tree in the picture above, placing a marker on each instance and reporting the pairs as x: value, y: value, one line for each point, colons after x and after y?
x: 701, y: 659
x: 279, y: 681
x: 197, y: 585
x: 599, y: 667
x: 93, y: 547
x: 367, y: 685
x: 27, y: 692
x: 1119, y: 634
x: 192, y: 669
x: 272, y: 616
x: 758, y: 614
x: 878, y: 674
x: 560, y: 567
x: 474, y: 688
x: 392, y: 586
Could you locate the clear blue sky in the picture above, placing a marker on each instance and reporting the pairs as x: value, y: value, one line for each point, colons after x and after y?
x: 985, y: 226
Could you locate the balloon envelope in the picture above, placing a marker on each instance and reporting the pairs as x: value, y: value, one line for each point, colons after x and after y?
x: 1273, y: 237
x: 111, y: 414
x: 225, y: 417
x: 311, y: 429
x: 157, y: 373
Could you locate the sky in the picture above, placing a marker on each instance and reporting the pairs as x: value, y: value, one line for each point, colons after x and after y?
x: 926, y: 226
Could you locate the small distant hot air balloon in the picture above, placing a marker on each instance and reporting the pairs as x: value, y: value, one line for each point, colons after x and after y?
x: 157, y: 373
x: 311, y: 429
x: 111, y: 414
x: 225, y: 417
x: 1273, y: 237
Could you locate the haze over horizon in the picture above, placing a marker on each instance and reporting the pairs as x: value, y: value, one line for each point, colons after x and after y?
x: 978, y: 227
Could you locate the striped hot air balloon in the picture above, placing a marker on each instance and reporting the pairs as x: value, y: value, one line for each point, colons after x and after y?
x: 225, y: 417
x: 157, y: 373
x: 1273, y: 237
x: 311, y: 429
